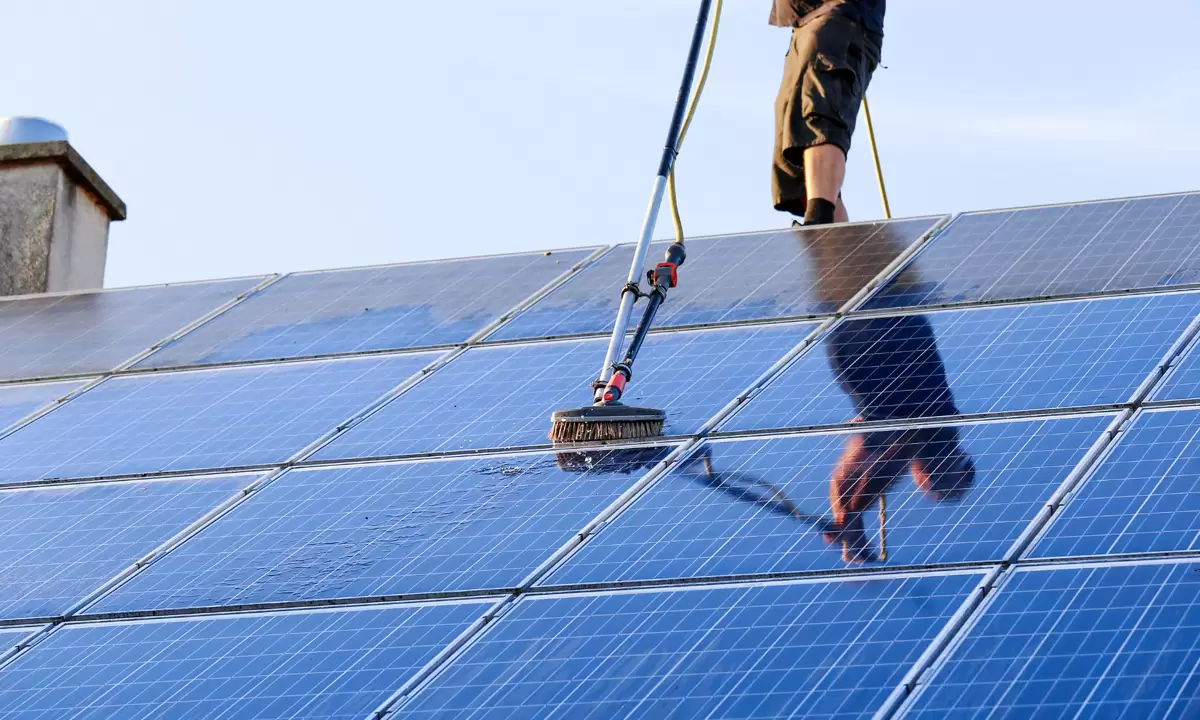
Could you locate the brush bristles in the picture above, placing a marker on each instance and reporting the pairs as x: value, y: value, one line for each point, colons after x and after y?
x: 576, y: 432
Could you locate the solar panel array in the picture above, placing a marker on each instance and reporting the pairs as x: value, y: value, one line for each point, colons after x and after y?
x: 929, y: 467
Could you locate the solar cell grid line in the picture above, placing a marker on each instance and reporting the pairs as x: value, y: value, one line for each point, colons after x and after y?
x: 1144, y: 497
x: 500, y: 397
x: 83, y: 333
x: 827, y: 649
x: 1084, y: 640
x: 955, y: 494
x: 199, y: 419
x: 20, y: 401
x: 1182, y: 380
x: 383, y: 530
x: 1083, y: 248
x: 995, y: 359
x: 733, y: 278
x: 60, y: 543
x: 311, y: 664
x: 379, y: 308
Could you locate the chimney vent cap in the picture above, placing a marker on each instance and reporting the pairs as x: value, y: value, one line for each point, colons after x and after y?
x: 22, y: 130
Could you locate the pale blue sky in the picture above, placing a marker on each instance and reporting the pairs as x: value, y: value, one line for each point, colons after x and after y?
x: 256, y: 136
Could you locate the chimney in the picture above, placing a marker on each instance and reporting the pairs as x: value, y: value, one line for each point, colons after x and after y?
x: 54, y: 212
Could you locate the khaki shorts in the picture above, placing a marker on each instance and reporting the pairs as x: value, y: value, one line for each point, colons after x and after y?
x: 825, y: 76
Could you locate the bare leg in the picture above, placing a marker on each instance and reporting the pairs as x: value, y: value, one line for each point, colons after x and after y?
x: 824, y: 170
x: 840, y: 214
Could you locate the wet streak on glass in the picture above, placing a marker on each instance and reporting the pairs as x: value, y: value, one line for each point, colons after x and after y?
x: 201, y: 419
x: 1047, y: 251
x: 20, y: 401
x: 1144, y: 496
x: 96, y: 332
x: 313, y: 665
x: 825, y: 650
x: 59, y: 544
x: 388, y: 529
x: 1105, y: 642
x: 783, y: 273
x: 997, y: 359
x: 763, y: 506
x: 379, y: 308
x: 503, y: 396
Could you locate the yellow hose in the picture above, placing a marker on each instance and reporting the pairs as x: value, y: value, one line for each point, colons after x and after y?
x: 695, y: 101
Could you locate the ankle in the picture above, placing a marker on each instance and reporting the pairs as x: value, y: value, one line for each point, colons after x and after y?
x: 819, y: 212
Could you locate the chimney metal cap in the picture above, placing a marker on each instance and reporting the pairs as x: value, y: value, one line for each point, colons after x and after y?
x: 21, y: 130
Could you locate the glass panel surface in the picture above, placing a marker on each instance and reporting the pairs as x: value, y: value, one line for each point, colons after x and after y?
x: 96, y: 332
x: 1184, y: 381
x: 323, y: 665
x: 377, y: 308
x: 764, y: 506
x: 386, y: 530
x: 781, y: 273
x: 58, y: 544
x: 1143, y: 497
x: 1048, y: 251
x: 20, y: 401
x: 1103, y: 642
x: 503, y: 396
x: 822, y: 650
x: 201, y: 419
x: 997, y: 359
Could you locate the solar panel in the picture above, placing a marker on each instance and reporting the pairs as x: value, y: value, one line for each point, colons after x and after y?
x: 1116, y: 641
x: 20, y: 401
x: 319, y: 664
x: 377, y: 308
x: 502, y: 396
x: 63, y: 542
x: 1144, y: 497
x: 377, y: 530
x: 1183, y: 382
x: 996, y: 359
x: 820, y: 650
x: 95, y: 332
x: 763, y: 506
x: 1044, y: 251
x: 222, y: 418
x: 781, y: 273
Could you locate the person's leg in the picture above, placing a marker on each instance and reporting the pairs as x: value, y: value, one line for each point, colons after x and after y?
x: 824, y: 171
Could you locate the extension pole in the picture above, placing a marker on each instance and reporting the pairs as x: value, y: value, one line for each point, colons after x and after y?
x: 887, y: 210
x: 670, y: 150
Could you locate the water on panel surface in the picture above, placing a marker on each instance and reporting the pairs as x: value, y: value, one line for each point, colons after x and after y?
x: 822, y: 650
x: 389, y: 529
x: 1047, y: 251
x: 200, y: 419
x: 502, y: 396
x: 1119, y: 641
x: 1143, y: 497
x: 960, y: 494
x: 57, y: 544
x: 378, y: 308
x: 20, y: 401
x: 95, y: 332
x: 312, y: 665
x: 995, y: 359
x: 781, y: 273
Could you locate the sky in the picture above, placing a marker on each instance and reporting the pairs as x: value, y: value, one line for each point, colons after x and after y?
x: 251, y: 137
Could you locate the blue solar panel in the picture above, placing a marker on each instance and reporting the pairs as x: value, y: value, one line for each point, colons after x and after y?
x: 20, y: 401
x: 1007, y: 358
x: 95, y: 332
x: 321, y: 664
x: 822, y: 650
x: 781, y: 273
x: 377, y: 308
x: 201, y: 419
x: 1047, y: 251
x: 1183, y: 383
x: 1144, y: 497
x: 763, y: 506
x: 502, y: 396
x: 61, y: 543
x: 1097, y: 642
x: 386, y: 529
